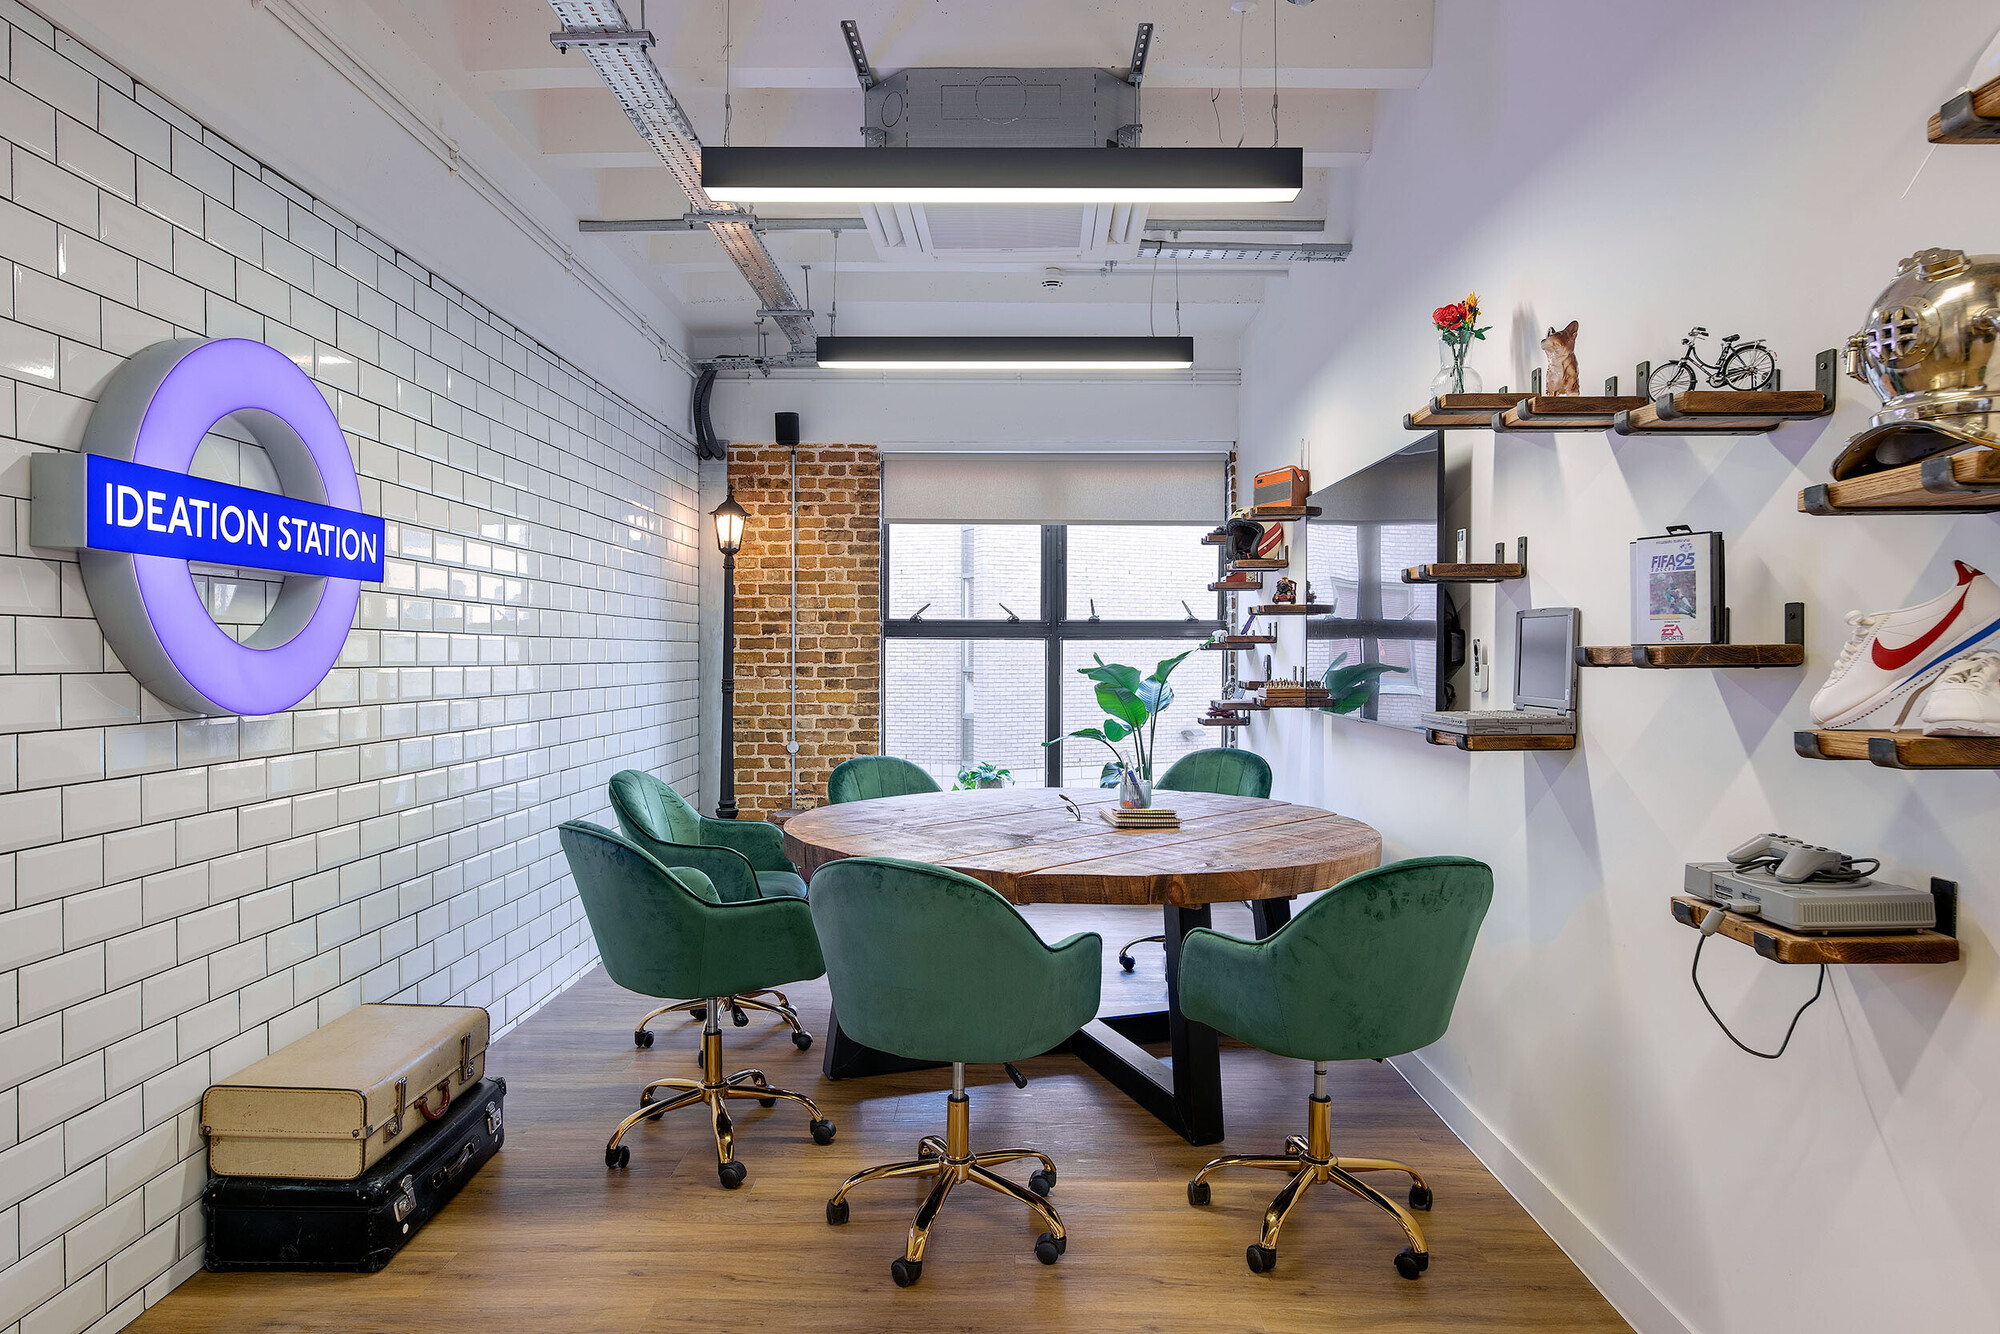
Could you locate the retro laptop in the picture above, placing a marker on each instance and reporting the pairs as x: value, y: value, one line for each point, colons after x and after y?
x: 1544, y: 682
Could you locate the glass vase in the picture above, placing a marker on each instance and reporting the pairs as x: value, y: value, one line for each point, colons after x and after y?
x: 1134, y: 793
x: 1454, y: 376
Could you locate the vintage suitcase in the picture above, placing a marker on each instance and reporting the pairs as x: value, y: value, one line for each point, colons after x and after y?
x: 329, y: 1106
x: 355, y: 1226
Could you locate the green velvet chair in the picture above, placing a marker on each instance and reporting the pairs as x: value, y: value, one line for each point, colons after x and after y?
x: 665, y: 931
x: 743, y: 859
x: 867, y: 776
x: 1220, y: 769
x: 1370, y: 969
x: 931, y: 965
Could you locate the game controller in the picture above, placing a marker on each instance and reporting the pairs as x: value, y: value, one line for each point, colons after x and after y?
x: 1796, y: 862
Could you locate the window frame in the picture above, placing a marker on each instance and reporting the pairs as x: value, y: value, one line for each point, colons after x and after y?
x: 1054, y: 627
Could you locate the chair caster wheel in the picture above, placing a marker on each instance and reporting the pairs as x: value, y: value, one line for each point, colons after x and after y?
x: 642, y: 1037
x: 1049, y: 1247
x: 822, y: 1133
x: 699, y: 1014
x: 767, y: 1102
x: 732, y: 1173
x: 1420, y: 1197
x: 1127, y: 962
x: 1198, y: 1193
x: 836, y: 1212
x: 802, y: 1039
x: 1410, y: 1264
x: 738, y: 1018
x: 905, y: 1272
x: 1042, y: 1181
x: 618, y: 1157
x: 1263, y: 1259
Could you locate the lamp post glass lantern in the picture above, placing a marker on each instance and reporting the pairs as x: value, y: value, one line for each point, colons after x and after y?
x: 729, y: 518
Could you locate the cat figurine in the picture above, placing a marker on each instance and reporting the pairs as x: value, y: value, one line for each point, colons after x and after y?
x: 1561, y: 347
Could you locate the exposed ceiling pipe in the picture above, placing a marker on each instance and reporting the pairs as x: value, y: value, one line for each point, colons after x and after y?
x: 1157, y: 227
x: 618, y: 53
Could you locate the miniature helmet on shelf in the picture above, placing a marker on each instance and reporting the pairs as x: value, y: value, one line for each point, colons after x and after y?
x: 1928, y: 349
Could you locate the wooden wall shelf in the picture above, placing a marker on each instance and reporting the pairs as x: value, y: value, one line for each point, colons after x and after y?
x: 1691, y: 655
x: 1499, y: 571
x: 1240, y: 641
x: 1218, y: 722
x: 1215, y: 539
x: 1547, y: 742
x: 1567, y: 412
x: 1967, y: 483
x: 1294, y: 609
x: 1250, y: 563
x: 1734, y: 412
x: 1459, y: 412
x: 1283, y: 513
x: 1221, y: 587
x: 1782, y: 946
x: 1969, y: 118
x: 1237, y: 705
x: 1900, y: 750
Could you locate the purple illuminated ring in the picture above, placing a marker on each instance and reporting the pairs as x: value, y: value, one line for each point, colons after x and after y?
x: 155, y: 411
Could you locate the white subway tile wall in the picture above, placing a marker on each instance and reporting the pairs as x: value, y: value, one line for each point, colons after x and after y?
x: 180, y: 896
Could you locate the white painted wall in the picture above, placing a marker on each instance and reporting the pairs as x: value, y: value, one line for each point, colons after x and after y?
x: 179, y: 895
x: 1643, y: 169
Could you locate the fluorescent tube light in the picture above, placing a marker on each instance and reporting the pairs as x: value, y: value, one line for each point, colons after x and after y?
x: 1006, y: 354
x: 1003, y: 175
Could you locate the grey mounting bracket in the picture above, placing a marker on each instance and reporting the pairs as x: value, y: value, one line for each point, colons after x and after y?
x: 1611, y: 387
x: 568, y: 37
x: 1535, y: 382
x: 1141, y: 44
x: 1957, y: 120
x: 856, y: 52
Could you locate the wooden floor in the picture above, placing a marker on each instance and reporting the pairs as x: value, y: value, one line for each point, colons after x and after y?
x: 545, y: 1239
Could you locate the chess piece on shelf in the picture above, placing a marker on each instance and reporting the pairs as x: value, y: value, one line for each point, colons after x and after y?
x: 1560, y: 344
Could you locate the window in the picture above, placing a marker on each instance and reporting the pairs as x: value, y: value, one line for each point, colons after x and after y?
x: 987, y: 624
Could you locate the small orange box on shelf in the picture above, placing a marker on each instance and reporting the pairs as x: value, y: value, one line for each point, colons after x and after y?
x: 1284, y: 487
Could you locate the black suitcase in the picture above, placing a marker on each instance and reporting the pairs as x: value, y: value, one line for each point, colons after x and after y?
x: 353, y: 1226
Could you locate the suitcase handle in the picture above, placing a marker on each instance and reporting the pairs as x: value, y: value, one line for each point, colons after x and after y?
x: 450, y: 1169
x: 444, y: 1102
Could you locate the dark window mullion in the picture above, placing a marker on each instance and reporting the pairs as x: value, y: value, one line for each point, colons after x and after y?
x: 1055, y: 610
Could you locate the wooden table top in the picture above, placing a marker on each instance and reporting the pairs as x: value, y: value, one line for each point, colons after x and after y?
x: 1024, y: 842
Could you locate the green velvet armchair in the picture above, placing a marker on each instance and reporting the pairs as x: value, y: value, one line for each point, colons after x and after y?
x: 932, y: 965
x: 868, y: 776
x: 665, y: 931
x: 1219, y: 769
x: 742, y: 859
x: 1371, y: 969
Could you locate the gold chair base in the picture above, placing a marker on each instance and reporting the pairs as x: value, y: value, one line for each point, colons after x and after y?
x: 1310, y: 1160
x: 950, y: 1160
x: 713, y: 1090
x: 1125, y: 959
x: 777, y: 1003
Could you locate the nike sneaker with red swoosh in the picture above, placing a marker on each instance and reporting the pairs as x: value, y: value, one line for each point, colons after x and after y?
x: 1890, y: 656
x: 1966, y: 699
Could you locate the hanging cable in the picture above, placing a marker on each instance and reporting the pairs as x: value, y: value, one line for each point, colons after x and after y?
x: 1151, y: 288
x: 1177, y: 286
x: 1214, y: 105
x: 728, y: 14
x: 1274, y: 74
x: 807, y: 269
x: 1694, y: 972
x: 1242, y: 125
x: 833, y: 311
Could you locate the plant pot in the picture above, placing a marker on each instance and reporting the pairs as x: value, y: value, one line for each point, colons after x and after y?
x: 984, y: 784
x: 1454, y: 376
x: 1134, y: 793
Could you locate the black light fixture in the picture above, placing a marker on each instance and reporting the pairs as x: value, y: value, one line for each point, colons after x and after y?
x: 1004, y: 175
x: 1005, y: 354
x: 729, y: 518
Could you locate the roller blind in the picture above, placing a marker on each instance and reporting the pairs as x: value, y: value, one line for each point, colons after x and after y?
x: 1052, y: 488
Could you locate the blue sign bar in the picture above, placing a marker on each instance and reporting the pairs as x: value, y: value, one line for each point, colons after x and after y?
x: 158, y: 512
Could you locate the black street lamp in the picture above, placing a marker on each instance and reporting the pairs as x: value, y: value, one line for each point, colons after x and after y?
x: 729, y: 517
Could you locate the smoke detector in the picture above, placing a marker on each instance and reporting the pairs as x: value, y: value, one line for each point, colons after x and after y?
x: 1052, y: 278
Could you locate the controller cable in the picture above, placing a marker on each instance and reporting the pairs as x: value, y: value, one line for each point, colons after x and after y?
x: 1846, y: 873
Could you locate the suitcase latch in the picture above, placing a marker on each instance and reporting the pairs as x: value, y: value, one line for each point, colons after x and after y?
x: 394, y: 1125
x: 406, y: 1198
x: 492, y: 1118
x: 465, y: 1058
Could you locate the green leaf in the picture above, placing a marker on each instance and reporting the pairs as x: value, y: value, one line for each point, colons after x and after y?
x: 1156, y: 695
x: 1108, y: 775
x: 1112, y: 674
x: 1348, y: 688
x: 1166, y: 667
x: 1123, y: 705
x: 1115, y: 730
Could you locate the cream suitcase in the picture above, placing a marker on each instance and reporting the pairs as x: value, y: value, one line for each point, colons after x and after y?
x: 328, y: 1106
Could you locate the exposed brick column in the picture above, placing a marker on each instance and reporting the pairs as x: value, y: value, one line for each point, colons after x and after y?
x: 840, y: 645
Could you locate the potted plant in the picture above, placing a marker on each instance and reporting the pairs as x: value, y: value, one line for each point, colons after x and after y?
x: 1133, y: 705
x: 984, y: 774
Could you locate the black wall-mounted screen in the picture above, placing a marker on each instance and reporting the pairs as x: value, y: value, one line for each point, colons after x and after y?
x: 1374, y: 524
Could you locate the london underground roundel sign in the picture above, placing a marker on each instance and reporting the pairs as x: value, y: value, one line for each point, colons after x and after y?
x: 136, y: 518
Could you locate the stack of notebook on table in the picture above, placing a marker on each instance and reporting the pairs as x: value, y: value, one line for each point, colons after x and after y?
x: 1155, y: 817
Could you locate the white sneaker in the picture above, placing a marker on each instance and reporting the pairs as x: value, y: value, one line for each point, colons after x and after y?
x: 1892, y: 655
x: 1966, y: 699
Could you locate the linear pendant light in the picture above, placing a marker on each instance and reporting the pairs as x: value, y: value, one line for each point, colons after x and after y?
x: 1006, y: 354
x: 1003, y: 175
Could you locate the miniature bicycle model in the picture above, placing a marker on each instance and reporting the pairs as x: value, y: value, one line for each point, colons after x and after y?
x: 1741, y: 366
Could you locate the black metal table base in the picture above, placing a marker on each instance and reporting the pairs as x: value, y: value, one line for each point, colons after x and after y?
x: 1184, y: 1090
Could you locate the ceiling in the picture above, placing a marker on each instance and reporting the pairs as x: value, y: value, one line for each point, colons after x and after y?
x: 788, y: 79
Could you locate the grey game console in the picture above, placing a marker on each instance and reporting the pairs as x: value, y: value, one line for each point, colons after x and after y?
x: 1859, y: 905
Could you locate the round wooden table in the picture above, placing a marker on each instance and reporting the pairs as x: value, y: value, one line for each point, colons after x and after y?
x: 1049, y: 845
